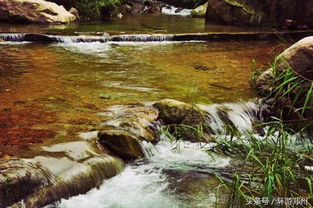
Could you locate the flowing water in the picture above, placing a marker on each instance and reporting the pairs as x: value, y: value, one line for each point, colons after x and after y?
x: 57, y: 90
x: 147, y: 183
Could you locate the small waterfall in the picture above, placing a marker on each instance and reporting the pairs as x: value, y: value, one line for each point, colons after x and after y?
x: 16, y: 37
x: 142, y: 38
x: 82, y: 39
x: 240, y: 116
x: 146, y: 183
x: 42, y: 38
x: 171, y: 10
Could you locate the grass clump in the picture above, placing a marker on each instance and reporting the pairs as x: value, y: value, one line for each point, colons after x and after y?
x: 273, y: 170
x: 290, y: 94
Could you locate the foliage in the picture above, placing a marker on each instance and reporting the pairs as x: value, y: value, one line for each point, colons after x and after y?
x: 91, y: 9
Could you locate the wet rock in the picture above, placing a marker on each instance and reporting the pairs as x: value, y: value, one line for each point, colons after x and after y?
x: 140, y: 127
x: 72, y: 168
x: 122, y: 143
x: 176, y: 112
x: 128, y: 126
x: 39, y: 38
x: 34, y: 11
x: 199, y: 11
x: 18, y: 179
x: 184, y: 121
x: 133, y: 111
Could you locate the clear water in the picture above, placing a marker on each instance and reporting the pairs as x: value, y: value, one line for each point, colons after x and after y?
x: 64, y: 85
x: 130, y: 24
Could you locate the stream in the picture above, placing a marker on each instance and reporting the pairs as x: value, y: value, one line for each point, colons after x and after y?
x: 50, y: 93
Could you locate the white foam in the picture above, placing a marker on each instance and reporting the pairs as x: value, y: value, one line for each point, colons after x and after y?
x: 171, y: 10
x: 146, y: 185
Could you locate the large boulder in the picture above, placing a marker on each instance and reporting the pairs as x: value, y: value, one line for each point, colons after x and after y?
x: 233, y: 12
x: 297, y: 61
x: 34, y: 11
x: 290, y: 13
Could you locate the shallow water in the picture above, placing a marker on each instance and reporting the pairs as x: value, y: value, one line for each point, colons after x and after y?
x: 49, y: 93
x: 58, y: 88
x: 130, y: 24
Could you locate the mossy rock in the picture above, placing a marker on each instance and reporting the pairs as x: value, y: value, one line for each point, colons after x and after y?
x: 176, y: 112
x: 124, y: 144
x: 190, y: 133
x: 199, y: 11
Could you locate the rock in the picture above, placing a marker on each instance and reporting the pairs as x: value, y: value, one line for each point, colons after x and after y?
x: 175, y: 112
x: 199, y: 11
x: 34, y: 11
x: 133, y: 111
x: 127, y: 126
x: 121, y: 143
x: 184, y: 121
x: 65, y: 170
x: 299, y: 57
x: 204, y: 187
x: 233, y: 12
x: 139, y: 7
x: 260, y: 12
x: 18, y: 179
x: 74, y: 12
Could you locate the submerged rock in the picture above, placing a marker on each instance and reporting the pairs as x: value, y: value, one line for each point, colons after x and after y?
x: 34, y: 11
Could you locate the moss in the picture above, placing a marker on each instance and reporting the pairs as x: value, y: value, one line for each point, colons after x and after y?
x: 92, y: 9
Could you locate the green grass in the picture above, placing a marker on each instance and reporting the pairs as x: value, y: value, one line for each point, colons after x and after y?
x: 271, y: 168
x: 292, y: 95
